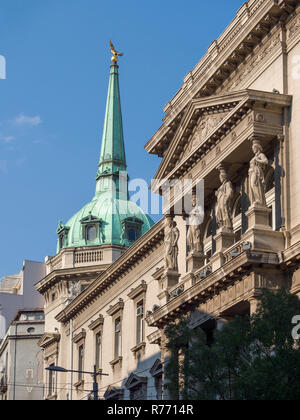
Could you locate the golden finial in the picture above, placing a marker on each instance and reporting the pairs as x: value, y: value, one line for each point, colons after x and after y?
x: 115, y: 53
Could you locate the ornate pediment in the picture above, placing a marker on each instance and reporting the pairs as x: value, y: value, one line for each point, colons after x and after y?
x: 202, y: 118
x: 113, y: 393
x: 49, y: 342
x: 212, y: 125
x: 205, y: 125
x: 48, y: 339
x: 135, y: 380
x: 156, y: 369
x: 231, y: 62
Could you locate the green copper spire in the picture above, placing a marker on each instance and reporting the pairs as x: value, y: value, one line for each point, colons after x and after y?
x: 110, y: 218
x: 112, y: 157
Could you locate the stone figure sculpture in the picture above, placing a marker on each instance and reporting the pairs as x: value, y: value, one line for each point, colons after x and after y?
x: 224, y: 197
x: 171, y: 244
x: 256, y: 175
x: 194, y: 239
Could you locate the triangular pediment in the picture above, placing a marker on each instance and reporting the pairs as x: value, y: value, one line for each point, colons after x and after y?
x: 156, y: 368
x: 113, y: 393
x: 204, y: 127
x: 135, y: 380
x: 202, y: 119
x: 48, y: 338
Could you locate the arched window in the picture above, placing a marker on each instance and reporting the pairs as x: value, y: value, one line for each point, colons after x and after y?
x: 131, y: 230
x: 91, y: 229
x: 91, y: 233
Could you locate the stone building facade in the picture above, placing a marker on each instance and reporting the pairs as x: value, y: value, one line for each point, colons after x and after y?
x: 17, y: 292
x: 234, y: 124
x: 21, y: 359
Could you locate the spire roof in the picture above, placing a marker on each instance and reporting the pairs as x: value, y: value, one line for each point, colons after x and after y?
x: 111, y: 217
x: 112, y: 157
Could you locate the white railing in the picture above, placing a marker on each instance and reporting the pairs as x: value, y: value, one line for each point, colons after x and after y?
x: 84, y: 257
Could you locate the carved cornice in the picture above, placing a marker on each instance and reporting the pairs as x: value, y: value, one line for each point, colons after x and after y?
x: 79, y: 337
x: 48, y: 339
x: 204, y: 290
x: 119, y: 268
x: 139, y: 348
x: 141, y: 289
x: 157, y: 275
x: 113, y: 393
x: 291, y: 257
x: 249, y: 28
x: 116, y: 361
x: 155, y: 337
x: 97, y: 323
x: 55, y: 277
x: 156, y: 369
x: 119, y: 306
x: 135, y: 380
x: 174, y: 165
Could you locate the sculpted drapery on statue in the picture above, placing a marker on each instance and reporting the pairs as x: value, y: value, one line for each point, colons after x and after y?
x: 256, y: 175
x: 194, y: 237
x: 171, y: 244
x: 224, y: 197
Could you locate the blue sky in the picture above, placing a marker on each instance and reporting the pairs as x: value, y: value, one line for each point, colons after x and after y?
x: 53, y: 100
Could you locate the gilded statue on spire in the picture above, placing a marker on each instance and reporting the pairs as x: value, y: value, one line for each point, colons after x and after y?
x: 115, y: 53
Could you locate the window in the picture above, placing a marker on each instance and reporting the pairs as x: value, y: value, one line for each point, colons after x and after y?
x: 117, y: 337
x: 91, y: 229
x: 238, y: 235
x: 51, y: 382
x: 138, y: 393
x: 32, y: 316
x: 62, y: 232
x: 31, y: 330
x: 140, y: 322
x: 61, y: 240
x: 131, y: 235
x: 80, y: 362
x: 98, y: 349
x: 91, y: 233
x: 131, y: 230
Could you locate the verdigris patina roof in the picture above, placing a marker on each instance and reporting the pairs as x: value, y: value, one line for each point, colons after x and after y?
x: 111, y: 206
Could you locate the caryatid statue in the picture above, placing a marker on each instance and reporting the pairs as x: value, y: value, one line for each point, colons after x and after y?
x: 171, y: 244
x: 224, y: 197
x: 194, y: 238
x: 256, y: 175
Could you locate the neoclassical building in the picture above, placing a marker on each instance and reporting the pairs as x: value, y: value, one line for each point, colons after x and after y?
x: 118, y: 280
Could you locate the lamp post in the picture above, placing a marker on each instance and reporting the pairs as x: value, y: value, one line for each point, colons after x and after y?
x: 94, y: 374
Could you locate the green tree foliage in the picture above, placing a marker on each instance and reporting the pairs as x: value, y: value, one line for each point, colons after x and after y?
x: 251, y: 358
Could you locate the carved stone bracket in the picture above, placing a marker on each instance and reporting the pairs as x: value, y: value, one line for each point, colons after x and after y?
x: 195, y: 260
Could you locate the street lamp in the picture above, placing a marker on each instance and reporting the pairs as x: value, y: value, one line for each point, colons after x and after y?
x: 94, y: 374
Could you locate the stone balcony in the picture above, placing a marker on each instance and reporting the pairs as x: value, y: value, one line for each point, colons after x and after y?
x: 241, y: 278
x: 83, y: 257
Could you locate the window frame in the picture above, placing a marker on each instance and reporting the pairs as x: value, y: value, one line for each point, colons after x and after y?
x: 117, y: 337
x: 140, y: 322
